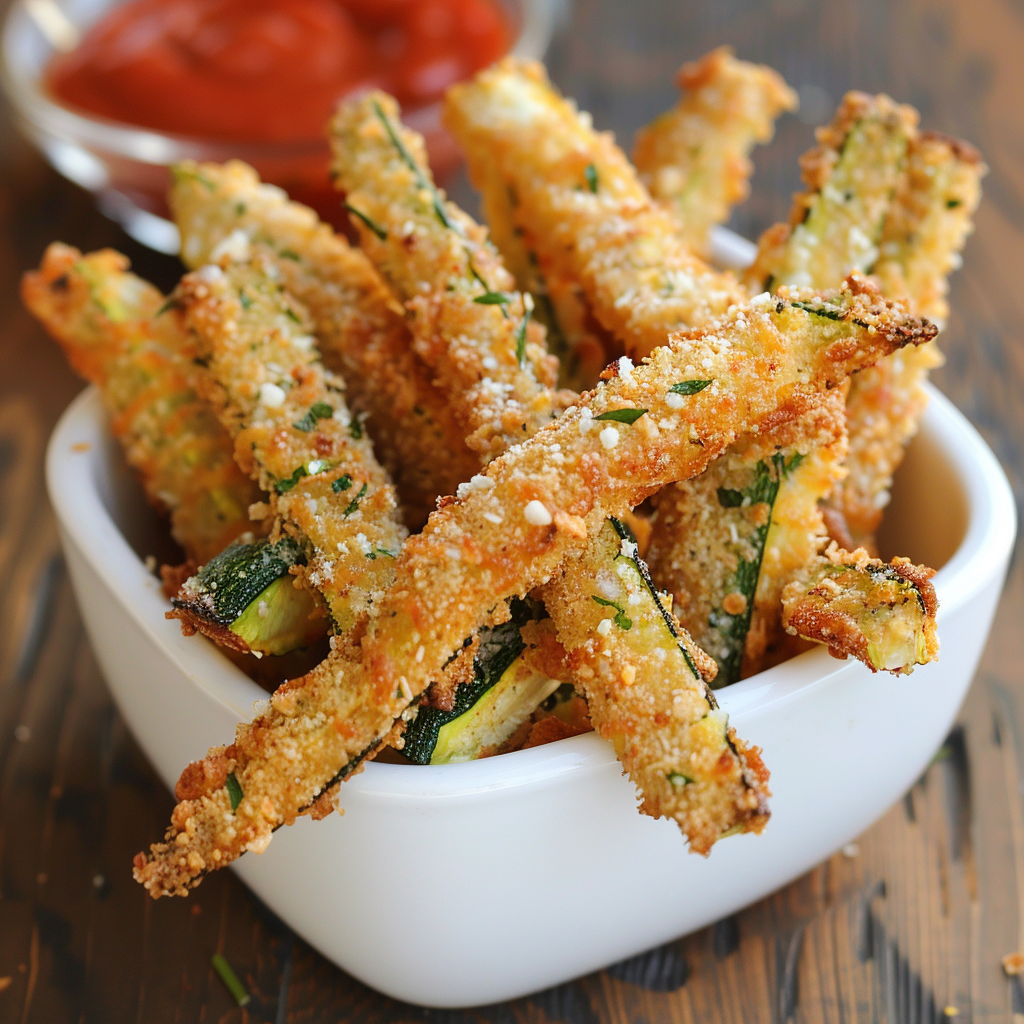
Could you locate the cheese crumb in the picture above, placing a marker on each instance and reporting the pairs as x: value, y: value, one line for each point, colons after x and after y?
x: 674, y: 400
x: 537, y: 514
x: 626, y: 370
x: 234, y: 247
x: 586, y: 421
x: 604, y: 627
x: 271, y: 395
x: 609, y: 437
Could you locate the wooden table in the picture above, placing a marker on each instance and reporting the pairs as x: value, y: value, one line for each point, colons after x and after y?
x: 908, y: 924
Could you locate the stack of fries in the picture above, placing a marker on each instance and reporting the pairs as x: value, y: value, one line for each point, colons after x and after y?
x: 565, y: 475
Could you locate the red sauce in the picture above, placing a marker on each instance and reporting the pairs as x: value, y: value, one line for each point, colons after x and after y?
x: 270, y: 70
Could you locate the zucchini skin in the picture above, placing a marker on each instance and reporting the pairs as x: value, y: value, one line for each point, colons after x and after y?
x: 500, y: 646
x: 222, y: 599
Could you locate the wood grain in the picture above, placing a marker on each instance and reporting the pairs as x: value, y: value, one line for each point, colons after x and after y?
x: 907, y: 925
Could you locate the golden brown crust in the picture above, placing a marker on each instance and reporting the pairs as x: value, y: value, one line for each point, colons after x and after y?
x: 359, y: 325
x: 117, y: 332
x: 695, y: 158
x: 772, y: 356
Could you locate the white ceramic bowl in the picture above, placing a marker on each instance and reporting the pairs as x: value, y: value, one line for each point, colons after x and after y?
x: 529, y: 869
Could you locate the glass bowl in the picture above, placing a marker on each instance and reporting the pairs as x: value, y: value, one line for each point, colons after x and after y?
x: 126, y: 167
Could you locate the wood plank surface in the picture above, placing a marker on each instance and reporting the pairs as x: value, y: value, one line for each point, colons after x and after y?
x: 906, y: 925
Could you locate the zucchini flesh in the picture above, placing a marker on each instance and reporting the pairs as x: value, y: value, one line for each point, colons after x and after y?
x: 883, y: 615
x: 504, y: 692
x: 245, y: 598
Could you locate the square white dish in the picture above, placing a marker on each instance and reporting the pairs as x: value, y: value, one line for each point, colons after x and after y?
x: 503, y: 835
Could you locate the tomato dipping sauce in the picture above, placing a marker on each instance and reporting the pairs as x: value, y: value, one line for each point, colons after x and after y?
x: 271, y: 71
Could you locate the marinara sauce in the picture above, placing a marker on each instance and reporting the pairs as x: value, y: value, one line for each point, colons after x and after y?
x: 271, y: 71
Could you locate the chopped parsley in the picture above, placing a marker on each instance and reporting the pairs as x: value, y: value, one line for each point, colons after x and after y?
x: 355, y: 429
x: 353, y: 505
x: 290, y: 254
x: 234, y: 791
x: 520, y: 334
x: 376, y: 550
x: 171, y: 303
x: 493, y: 299
x: 290, y: 481
x: 291, y: 314
x: 622, y: 415
x: 952, y: 204
x: 622, y: 620
x: 343, y: 483
x: 591, y: 175
x: 244, y: 299
x: 689, y: 387
x: 380, y: 232
x: 317, y: 411
x: 228, y: 976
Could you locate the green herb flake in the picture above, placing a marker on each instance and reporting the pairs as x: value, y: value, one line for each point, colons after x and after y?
x: 228, y: 976
x: 380, y: 232
x: 952, y: 204
x: 689, y: 387
x: 376, y: 550
x: 520, y: 334
x: 730, y: 498
x: 290, y: 481
x: 353, y: 505
x: 290, y: 254
x: 355, y: 429
x: 291, y: 314
x: 591, y: 175
x: 244, y: 300
x: 622, y: 415
x: 171, y: 303
x: 622, y: 620
x: 493, y: 299
x: 234, y: 791
x: 317, y: 411
x: 343, y: 483
x: 240, y: 209
x: 679, y: 779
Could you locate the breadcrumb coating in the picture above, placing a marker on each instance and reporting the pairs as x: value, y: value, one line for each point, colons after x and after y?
x: 882, y: 614
x: 293, y: 431
x: 640, y: 673
x: 769, y: 365
x: 835, y: 223
x: 582, y: 207
x: 359, y: 326
x: 695, y: 158
x: 468, y: 322
x: 925, y: 229
x: 118, y: 333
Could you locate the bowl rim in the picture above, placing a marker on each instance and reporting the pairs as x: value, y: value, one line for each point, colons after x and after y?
x: 83, y: 519
x: 151, y: 146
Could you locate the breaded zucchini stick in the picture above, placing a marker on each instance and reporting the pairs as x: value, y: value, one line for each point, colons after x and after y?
x: 359, y: 327
x: 695, y: 158
x: 118, y: 333
x: 727, y: 541
x: 637, y: 667
x: 451, y: 279
x: 835, y: 225
x: 293, y: 432
x: 563, y: 604
x: 583, y: 210
x: 535, y: 506
x: 883, y: 615
x: 924, y: 231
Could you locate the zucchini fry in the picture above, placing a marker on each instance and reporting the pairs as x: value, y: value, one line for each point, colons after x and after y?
x: 835, y: 225
x: 883, y: 615
x: 563, y: 604
x: 925, y: 229
x: 293, y: 432
x: 695, y: 158
x: 768, y: 364
x: 726, y: 542
x: 582, y: 208
x: 359, y: 327
x: 637, y: 668
x: 451, y: 279
x: 118, y: 333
